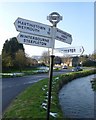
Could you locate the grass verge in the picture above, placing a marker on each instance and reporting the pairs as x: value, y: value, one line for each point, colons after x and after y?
x: 32, y: 103
x: 23, y: 73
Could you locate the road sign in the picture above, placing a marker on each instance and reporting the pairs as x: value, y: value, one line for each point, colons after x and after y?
x: 27, y: 26
x: 71, y: 50
x: 63, y: 36
x: 34, y: 40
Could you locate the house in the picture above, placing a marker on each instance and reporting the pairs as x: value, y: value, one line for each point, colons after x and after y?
x: 70, y: 61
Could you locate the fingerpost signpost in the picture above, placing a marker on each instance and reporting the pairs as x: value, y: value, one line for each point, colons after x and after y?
x: 60, y: 35
x: 41, y: 35
x: 54, y: 18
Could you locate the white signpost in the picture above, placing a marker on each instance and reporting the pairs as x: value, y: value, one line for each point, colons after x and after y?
x: 31, y: 27
x: 38, y: 34
x: 63, y: 36
x: 34, y: 40
x: 71, y: 50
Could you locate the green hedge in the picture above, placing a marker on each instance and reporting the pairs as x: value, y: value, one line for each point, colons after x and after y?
x: 65, y: 78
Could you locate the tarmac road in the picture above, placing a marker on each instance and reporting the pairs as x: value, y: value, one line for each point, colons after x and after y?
x: 11, y: 87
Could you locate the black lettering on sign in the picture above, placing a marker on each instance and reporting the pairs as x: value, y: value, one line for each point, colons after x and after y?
x: 43, y: 44
x: 19, y: 26
x: 24, y: 40
x: 21, y: 36
x: 19, y: 22
x: 64, y: 33
x: 64, y: 36
x: 35, y: 42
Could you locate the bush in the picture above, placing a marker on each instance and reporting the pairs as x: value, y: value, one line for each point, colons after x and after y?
x: 89, y: 63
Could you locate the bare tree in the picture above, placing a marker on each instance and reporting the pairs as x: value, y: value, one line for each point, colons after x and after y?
x: 67, y: 60
x: 45, y: 57
x: 31, y: 61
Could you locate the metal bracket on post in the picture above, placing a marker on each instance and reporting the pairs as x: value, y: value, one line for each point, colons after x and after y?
x: 54, y: 18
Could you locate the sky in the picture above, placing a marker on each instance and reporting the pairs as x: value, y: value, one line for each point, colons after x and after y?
x: 78, y: 20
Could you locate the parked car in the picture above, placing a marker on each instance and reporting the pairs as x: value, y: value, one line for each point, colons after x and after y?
x: 77, y: 68
x: 64, y: 67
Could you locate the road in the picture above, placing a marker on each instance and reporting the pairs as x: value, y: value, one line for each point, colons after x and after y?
x: 11, y: 87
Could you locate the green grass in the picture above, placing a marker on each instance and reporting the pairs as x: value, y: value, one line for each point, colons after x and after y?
x: 29, y: 103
